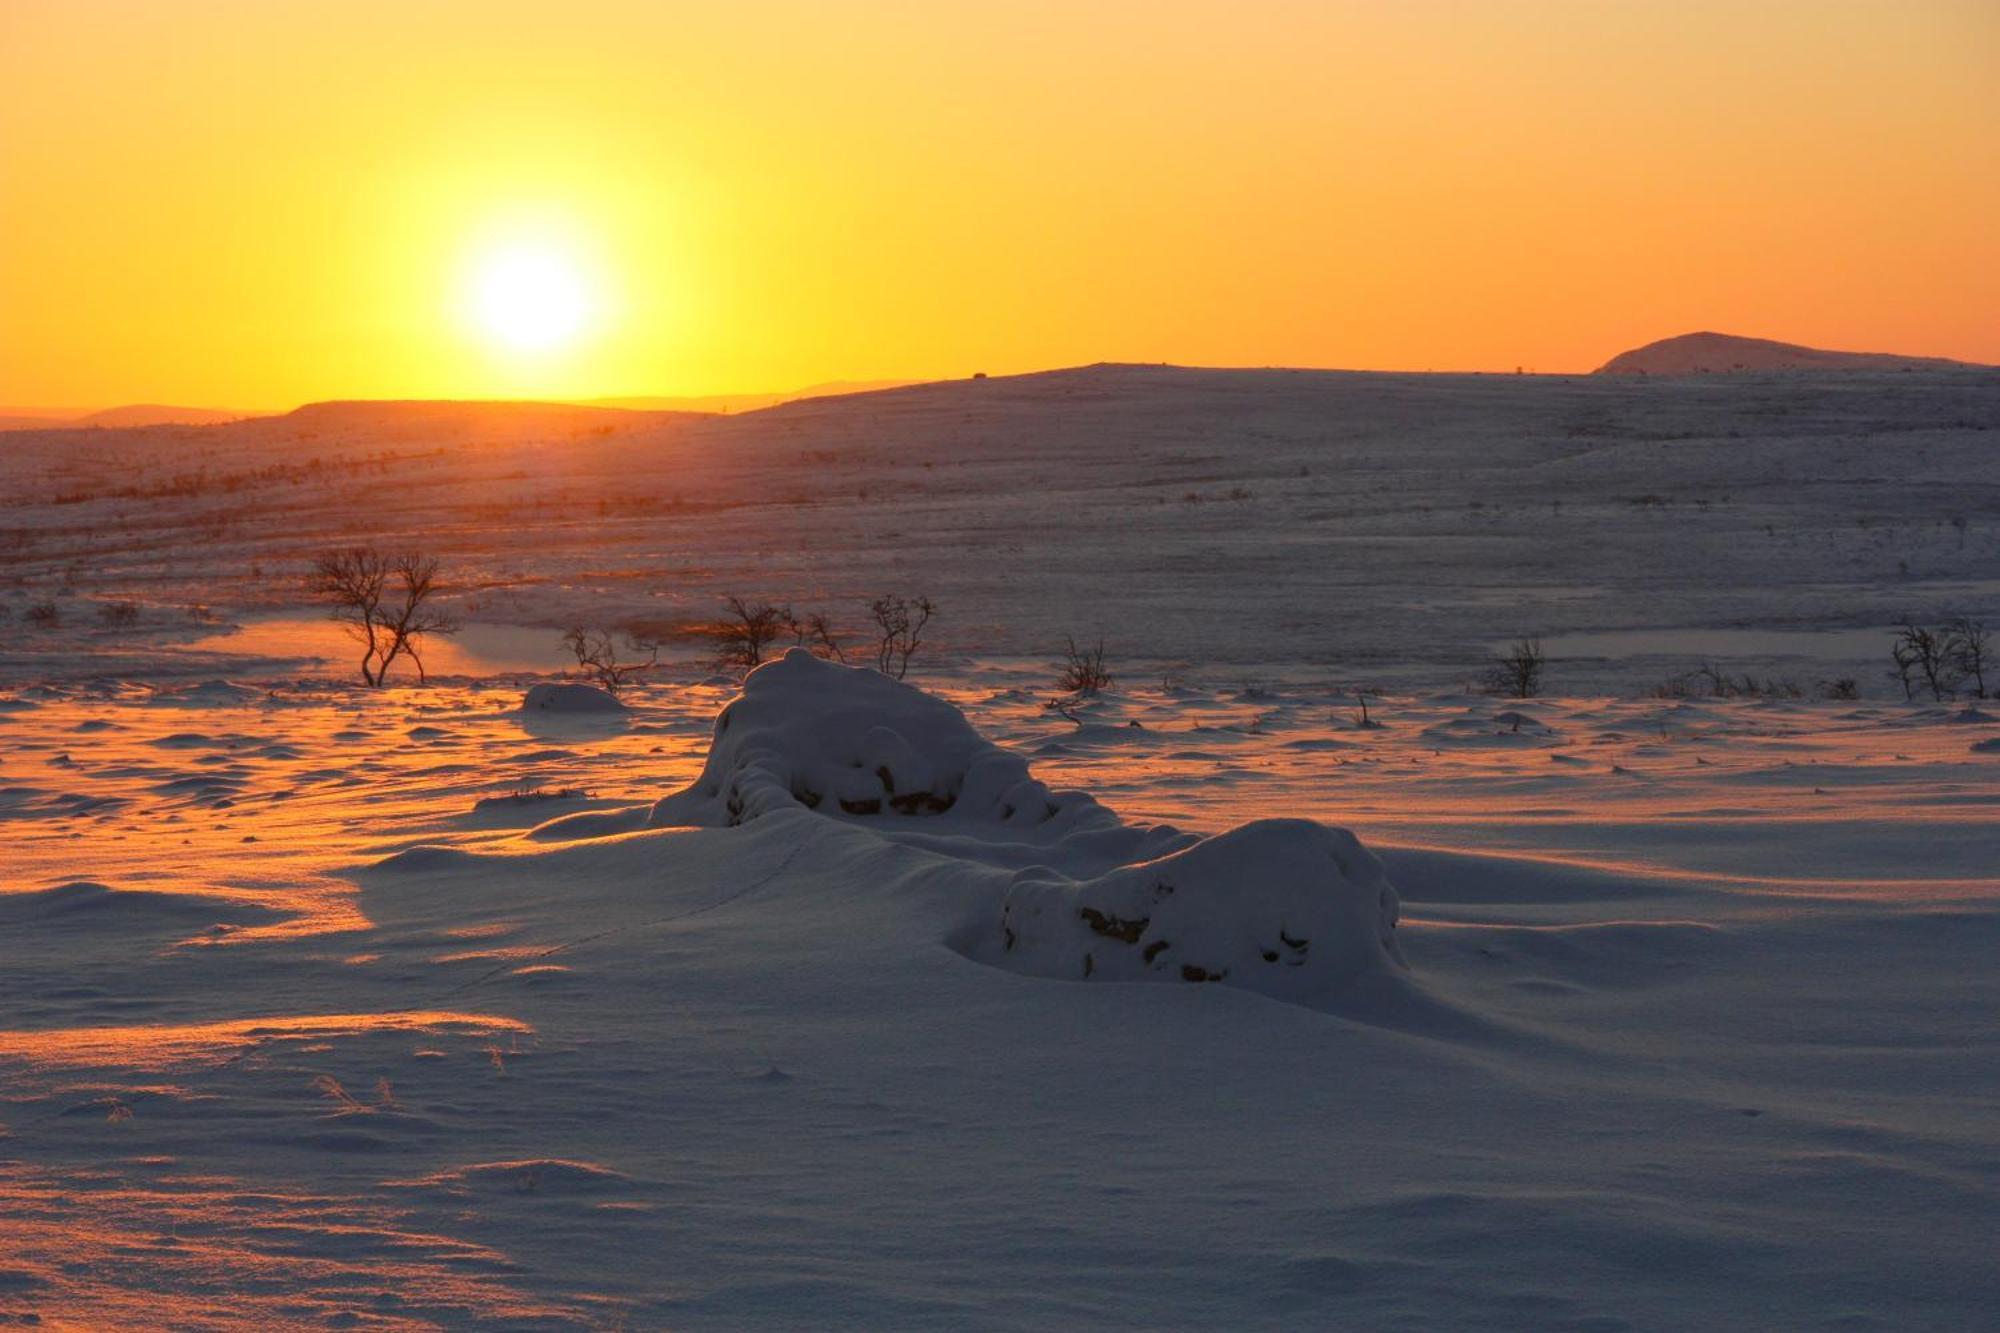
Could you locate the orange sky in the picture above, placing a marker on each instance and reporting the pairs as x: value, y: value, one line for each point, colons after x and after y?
x: 252, y: 203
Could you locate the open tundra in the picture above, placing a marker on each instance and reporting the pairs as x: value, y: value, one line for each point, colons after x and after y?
x: 823, y: 1000
x: 1372, y: 529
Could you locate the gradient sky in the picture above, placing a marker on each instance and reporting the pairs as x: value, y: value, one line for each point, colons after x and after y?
x: 254, y: 203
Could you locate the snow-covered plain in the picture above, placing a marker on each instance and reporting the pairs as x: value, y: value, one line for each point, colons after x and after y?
x: 330, y: 1007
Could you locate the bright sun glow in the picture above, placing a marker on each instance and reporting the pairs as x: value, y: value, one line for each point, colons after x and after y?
x: 530, y: 298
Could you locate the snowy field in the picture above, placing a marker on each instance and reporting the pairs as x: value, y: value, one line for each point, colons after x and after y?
x: 1386, y: 530
x: 328, y: 1007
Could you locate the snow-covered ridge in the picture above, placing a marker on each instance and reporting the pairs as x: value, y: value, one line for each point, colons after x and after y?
x: 1726, y: 353
x: 1287, y: 907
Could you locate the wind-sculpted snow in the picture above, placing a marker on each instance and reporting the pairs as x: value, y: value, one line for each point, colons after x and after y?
x: 568, y: 697
x: 1284, y: 906
x: 836, y: 739
x: 1287, y: 907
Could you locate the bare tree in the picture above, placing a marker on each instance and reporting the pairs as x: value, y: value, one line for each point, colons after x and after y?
x: 749, y: 631
x: 384, y: 600
x: 1083, y: 670
x: 900, y: 625
x: 1519, y: 673
x: 1971, y: 638
x: 597, y: 657
x: 1927, y: 655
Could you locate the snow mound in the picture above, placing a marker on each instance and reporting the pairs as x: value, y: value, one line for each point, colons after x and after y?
x: 841, y: 740
x: 209, y: 693
x: 1288, y: 907
x: 546, y: 1175
x: 569, y: 698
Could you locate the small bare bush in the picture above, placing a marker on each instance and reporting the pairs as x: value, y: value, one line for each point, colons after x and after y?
x: 815, y: 633
x: 1082, y: 670
x: 43, y: 614
x: 1970, y: 651
x: 899, y: 625
x: 744, y: 637
x: 384, y: 600
x: 596, y: 653
x: 1712, y: 682
x: 1518, y: 674
x: 1926, y: 657
x: 118, y: 615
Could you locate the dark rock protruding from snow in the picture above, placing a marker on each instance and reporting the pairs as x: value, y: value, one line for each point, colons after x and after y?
x: 1724, y: 353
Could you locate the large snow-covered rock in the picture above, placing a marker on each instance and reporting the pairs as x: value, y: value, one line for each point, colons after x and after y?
x: 842, y: 740
x: 1284, y: 906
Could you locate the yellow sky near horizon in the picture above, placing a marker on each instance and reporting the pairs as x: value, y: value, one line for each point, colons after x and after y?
x: 255, y: 203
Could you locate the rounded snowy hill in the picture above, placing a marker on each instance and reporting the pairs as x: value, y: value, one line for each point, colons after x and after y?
x: 1722, y: 353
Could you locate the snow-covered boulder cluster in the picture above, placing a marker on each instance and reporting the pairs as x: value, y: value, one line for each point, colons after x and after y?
x: 1284, y: 906
x: 845, y: 741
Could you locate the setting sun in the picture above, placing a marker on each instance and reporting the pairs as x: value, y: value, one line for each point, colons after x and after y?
x: 529, y: 298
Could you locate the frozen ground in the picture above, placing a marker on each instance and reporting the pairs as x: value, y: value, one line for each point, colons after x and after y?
x: 1379, y: 529
x: 333, y: 1008
x: 307, y: 1024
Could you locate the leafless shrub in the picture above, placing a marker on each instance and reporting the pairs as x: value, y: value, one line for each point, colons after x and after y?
x: 746, y: 635
x: 1711, y: 681
x: 899, y: 625
x: 1926, y: 656
x: 597, y: 657
x: 1971, y: 639
x: 384, y: 600
x: 118, y: 615
x: 1842, y: 687
x: 43, y: 614
x: 1083, y: 670
x: 1518, y: 675
x: 815, y: 633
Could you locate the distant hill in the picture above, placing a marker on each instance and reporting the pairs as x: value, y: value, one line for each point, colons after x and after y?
x: 1722, y: 353
x: 747, y: 402
x: 447, y: 419
x: 131, y: 414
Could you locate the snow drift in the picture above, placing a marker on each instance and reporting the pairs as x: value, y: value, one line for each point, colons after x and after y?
x: 562, y: 697
x: 1287, y: 907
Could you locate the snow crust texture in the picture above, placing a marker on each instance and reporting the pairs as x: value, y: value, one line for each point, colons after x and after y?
x: 1288, y: 907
